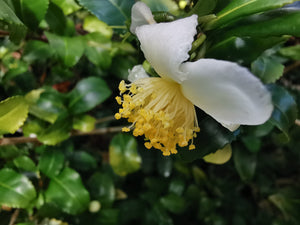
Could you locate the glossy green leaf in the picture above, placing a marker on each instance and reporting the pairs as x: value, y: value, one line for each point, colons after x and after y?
x: 108, y: 217
x: 68, y: 49
x: 13, y: 113
x: 203, y: 7
x: 102, y: 188
x: 31, y: 12
x: 56, y: 132
x: 162, y: 5
x: 68, y: 6
x: 292, y: 52
x: 212, y: 136
x: 98, y: 49
x: 173, y: 203
x: 48, y: 104
x: 87, y: 94
x: 112, y: 12
x: 177, y: 186
x: 24, y: 163
x: 285, y: 109
x: 123, y: 155
x: 51, y: 162
x: 83, y: 161
x: 275, y: 23
x: 242, y: 50
x: 245, y: 163
x: 16, y: 190
x: 84, y: 123
x: 267, y: 69
x: 37, y: 51
x: 252, y: 143
x: 237, y: 9
x: 10, y: 151
x: 56, y: 19
x: 93, y: 24
x: 67, y: 192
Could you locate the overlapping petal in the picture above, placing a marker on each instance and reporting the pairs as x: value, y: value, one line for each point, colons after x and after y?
x: 227, y: 92
x: 166, y: 45
x: 140, y: 15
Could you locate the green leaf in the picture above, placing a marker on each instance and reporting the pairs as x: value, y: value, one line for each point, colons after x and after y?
x: 51, y: 162
x: 67, y: 192
x: 123, y: 155
x: 237, y: 9
x: 102, y: 188
x: 203, y: 7
x: 108, y: 217
x: 245, y: 163
x: 93, y: 24
x: 56, y: 19
x: 112, y: 12
x: 242, y: 50
x: 212, y: 136
x: 49, y: 104
x: 57, y: 132
x: 16, y: 27
x: 13, y: 113
x: 37, y: 51
x: 87, y: 94
x: 252, y: 143
x: 173, y: 203
x: 68, y: 6
x: 68, y: 49
x: 285, y: 109
x: 10, y: 152
x: 274, y: 23
x: 83, y: 161
x: 267, y: 69
x: 98, y: 49
x: 162, y: 6
x: 24, y: 163
x: 31, y: 12
x: 292, y: 52
x: 16, y: 190
x: 84, y: 123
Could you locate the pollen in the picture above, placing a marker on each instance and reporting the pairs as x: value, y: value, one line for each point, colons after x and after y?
x: 158, y: 111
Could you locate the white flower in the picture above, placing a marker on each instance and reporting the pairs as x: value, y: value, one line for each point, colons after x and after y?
x: 162, y: 108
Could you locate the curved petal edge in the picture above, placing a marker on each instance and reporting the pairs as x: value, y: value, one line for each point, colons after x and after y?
x: 227, y: 92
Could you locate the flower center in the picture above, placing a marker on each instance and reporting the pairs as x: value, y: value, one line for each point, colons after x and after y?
x: 158, y: 110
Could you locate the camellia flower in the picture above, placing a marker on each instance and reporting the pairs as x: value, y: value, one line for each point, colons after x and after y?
x: 162, y: 108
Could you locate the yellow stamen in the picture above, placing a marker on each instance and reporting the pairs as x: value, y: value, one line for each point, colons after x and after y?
x: 160, y: 112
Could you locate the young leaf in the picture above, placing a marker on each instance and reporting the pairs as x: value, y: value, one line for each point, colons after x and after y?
x: 87, y: 94
x: 112, y: 12
x: 237, y: 9
x: 123, y: 155
x: 13, y: 113
x: 93, y: 24
x: 285, y: 109
x: 84, y: 123
x: 292, y: 52
x: 16, y: 190
x: 67, y: 192
x: 56, y: 19
x: 68, y: 6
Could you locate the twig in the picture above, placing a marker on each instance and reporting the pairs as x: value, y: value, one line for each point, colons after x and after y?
x: 105, y: 119
x: 14, y: 217
x: 4, y: 33
x: 291, y: 67
x: 22, y: 140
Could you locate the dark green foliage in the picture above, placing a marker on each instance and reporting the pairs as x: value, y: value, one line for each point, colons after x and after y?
x: 63, y: 159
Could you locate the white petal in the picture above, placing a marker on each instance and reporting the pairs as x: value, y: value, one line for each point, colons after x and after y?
x: 166, y: 45
x: 137, y: 73
x: 140, y: 15
x: 230, y: 126
x: 227, y: 92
